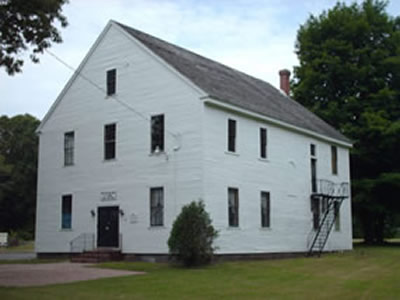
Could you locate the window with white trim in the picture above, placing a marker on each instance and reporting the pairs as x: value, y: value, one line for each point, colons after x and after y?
x: 66, y: 212
x: 110, y: 137
x: 69, y: 144
x: 111, y: 82
x: 233, y: 207
x: 265, y: 210
x: 157, y: 206
x: 231, y: 135
x: 263, y: 142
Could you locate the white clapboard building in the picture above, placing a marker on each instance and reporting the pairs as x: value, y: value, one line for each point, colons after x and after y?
x: 144, y: 127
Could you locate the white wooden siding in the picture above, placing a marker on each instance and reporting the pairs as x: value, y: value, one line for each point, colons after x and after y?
x: 149, y: 87
x: 286, y: 174
x: 196, y: 164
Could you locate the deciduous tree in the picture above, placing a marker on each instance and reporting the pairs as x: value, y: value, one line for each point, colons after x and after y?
x: 28, y: 24
x: 349, y: 75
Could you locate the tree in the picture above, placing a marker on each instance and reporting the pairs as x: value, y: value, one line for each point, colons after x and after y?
x: 349, y: 75
x: 26, y: 24
x: 18, y: 168
x: 192, y: 236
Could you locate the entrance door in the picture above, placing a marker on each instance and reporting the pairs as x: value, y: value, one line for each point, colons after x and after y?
x: 315, y: 207
x: 108, y: 226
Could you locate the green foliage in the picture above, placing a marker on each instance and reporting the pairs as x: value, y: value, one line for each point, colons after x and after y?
x: 192, y: 236
x: 27, y: 24
x: 349, y: 75
x: 18, y: 168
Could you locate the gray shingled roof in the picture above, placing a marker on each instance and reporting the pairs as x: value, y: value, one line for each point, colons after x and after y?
x: 234, y: 87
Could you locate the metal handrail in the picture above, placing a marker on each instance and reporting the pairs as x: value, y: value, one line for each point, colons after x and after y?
x: 81, y: 243
x: 329, y: 188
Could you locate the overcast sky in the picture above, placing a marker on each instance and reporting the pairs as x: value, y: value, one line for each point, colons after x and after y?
x: 253, y: 36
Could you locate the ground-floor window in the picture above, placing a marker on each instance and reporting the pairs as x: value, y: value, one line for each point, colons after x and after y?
x: 157, y: 206
x: 233, y: 207
x: 66, y: 212
x: 265, y: 210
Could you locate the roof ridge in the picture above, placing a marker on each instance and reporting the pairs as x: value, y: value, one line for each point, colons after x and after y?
x: 233, y: 86
x: 193, y: 53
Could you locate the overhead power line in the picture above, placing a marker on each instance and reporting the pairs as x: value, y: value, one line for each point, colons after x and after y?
x: 115, y: 97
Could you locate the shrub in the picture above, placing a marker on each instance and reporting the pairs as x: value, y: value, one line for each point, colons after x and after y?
x: 192, y: 236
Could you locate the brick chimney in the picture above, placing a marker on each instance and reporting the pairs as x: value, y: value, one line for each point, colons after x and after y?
x: 284, y: 77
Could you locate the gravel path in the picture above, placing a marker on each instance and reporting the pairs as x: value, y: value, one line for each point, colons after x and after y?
x: 17, y: 255
x: 44, y: 274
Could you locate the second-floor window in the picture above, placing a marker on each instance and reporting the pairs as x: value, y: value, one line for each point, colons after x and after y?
x: 111, y: 82
x: 110, y: 135
x: 157, y: 206
x: 334, y: 160
x: 69, y: 144
x: 233, y: 207
x: 157, y: 133
x: 263, y: 143
x: 231, y: 135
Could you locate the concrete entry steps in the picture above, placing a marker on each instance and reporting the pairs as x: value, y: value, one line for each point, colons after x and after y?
x: 97, y: 256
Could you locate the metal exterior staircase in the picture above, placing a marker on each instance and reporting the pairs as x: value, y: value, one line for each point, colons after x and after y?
x: 333, y: 196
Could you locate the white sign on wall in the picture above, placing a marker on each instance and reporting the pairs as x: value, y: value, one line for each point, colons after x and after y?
x: 108, y: 196
x: 133, y: 218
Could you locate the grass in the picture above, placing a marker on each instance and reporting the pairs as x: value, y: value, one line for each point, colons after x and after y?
x: 365, y: 273
x: 27, y: 246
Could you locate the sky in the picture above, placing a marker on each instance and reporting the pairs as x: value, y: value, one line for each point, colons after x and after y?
x: 253, y: 36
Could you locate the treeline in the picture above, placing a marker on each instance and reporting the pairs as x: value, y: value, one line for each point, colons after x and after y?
x: 18, y: 174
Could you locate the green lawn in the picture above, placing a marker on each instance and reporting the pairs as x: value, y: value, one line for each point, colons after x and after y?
x: 27, y: 246
x: 365, y: 273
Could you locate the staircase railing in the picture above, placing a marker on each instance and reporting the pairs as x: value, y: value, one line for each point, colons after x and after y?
x: 83, y: 242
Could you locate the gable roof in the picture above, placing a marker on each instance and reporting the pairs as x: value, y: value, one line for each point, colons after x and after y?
x: 228, y: 85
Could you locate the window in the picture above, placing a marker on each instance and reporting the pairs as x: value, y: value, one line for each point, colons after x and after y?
x: 313, y: 153
x: 157, y: 133
x: 337, y: 215
x: 233, y: 207
x: 231, y: 135
x: 109, y: 141
x: 313, y: 175
x: 111, y: 81
x: 69, y: 140
x: 334, y: 160
x: 312, y: 150
x: 265, y: 209
x: 157, y: 206
x: 66, y: 212
x: 263, y: 143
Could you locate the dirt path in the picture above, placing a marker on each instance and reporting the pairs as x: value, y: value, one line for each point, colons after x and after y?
x: 44, y: 274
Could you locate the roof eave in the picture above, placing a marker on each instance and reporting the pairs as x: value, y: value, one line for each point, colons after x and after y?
x: 213, y: 101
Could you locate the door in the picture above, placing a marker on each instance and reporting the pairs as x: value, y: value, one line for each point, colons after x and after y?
x: 108, y: 226
x: 315, y: 208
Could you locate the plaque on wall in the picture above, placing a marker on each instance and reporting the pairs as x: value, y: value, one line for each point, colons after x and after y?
x: 133, y: 218
x: 108, y: 196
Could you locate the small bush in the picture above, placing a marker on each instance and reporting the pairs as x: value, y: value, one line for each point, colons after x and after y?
x: 192, y: 236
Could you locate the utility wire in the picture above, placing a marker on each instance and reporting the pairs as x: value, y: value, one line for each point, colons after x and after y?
x: 115, y: 97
